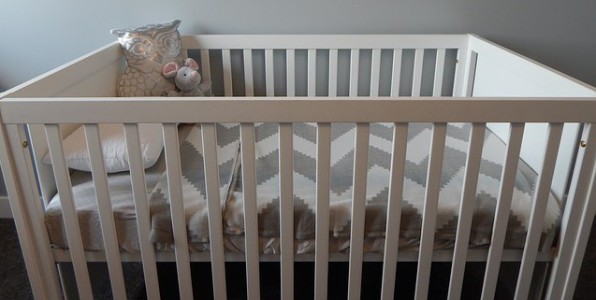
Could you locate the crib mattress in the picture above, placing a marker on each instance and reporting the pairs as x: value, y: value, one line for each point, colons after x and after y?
x: 342, y: 150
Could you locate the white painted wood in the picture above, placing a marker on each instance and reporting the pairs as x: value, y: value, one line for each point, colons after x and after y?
x: 333, y: 72
x: 106, y: 216
x: 469, y: 78
x: 375, y: 72
x: 205, y: 67
x: 173, y: 172
x: 73, y: 232
x: 322, y: 218
x: 312, y: 72
x: 466, y: 209
x: 354, y: 72
x: 358, y: 209
x: 439, y: 70
x: 536, y: 221
x: 396, y: 72
x: 216, y: 242
x: 501, y: 218
x: 291, y: 72
x: 396, y: 181
x: 251, y: 226
x: 269, y: 72
x: 227, y: 71
x: 431, y: 200
x: 249, y: 89
x: 417, y: 76
x: 286, y: 207
x: 137, y: 174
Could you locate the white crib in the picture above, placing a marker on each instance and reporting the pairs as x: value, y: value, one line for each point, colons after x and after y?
x: 544, y: 117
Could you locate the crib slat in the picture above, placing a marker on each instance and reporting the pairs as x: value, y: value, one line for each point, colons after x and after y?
x: 214, y: 207
x: 439, y: 70
x: 495, y: 251
x: 251, y: 229
x: 358, y: 208
x: 396, y: 181
x: 269, y: 72
x: 227, y: 72
x: 466, y: 208
x: 137, y: 174
x: 322, y: 217
x: 286, y: 207
x: 354, y: 72
x: 205, y: 66
x: 291, y: 72
x: 104, y: 204
x: 312, y: 72
x: 417, y: 77
x: 396, y: 72
x: 173, y: 171
x: 539, y: 204
x: 429, y: 219
x: 333, y: 72
x: 248, y: 77
x: 375, y: 73
x: 73, y: 231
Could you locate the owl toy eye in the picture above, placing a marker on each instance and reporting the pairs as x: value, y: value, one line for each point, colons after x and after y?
x: 169, y: 44
x: 140, y: 48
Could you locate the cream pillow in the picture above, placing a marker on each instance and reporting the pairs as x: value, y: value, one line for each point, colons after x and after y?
x: 114, y: 149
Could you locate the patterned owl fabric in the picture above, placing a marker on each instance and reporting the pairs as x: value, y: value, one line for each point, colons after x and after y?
x: 147, y: 49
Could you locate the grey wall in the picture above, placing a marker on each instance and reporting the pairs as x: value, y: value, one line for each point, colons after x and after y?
x: 38, y: 37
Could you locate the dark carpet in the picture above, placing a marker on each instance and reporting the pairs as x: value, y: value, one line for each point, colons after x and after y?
x: 14, y: 283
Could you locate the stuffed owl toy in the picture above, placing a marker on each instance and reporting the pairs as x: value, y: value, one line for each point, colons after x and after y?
x: 147, y: 49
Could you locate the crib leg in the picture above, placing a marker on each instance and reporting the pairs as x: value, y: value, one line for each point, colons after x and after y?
x: 68, y: 280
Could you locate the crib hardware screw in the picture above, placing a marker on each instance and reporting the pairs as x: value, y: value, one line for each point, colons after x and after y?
x: 25, y: 144
x: 583, y: 144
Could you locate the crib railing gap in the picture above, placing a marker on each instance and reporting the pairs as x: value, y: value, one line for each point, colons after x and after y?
x: 137, y: 174
x: 495, y: 252
x: 73, y: 232
x: 322, y: 207
x: 286, y: 207
x: 216, y: 241
x: 429, y: 219
x: 396, y: 183
x: 173, y: 173
x: 251, y: 226
x: 104, y: 204
x: 466, y: 207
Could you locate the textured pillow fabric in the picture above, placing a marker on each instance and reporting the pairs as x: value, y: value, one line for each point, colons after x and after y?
x: 114, y: 149
x: 147, y: 49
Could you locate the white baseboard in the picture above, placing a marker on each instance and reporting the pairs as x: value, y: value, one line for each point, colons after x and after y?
x: 5, y: 212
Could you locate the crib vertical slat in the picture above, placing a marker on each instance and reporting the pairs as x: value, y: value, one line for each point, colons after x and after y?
x: 358, y: 208
x: 354, y: 72
x: 249, y: 88
x: 205, y: 65
x: 539, y: 204
x: 429, y: 219
x: 286, y: 207
x: 508, y: 175
x: 396, y: 183
x: 251, y: 229
x: 396, y: 72
x: 69, y: 214
x: 227, y: 71
x: 417, y: 77
x: 269, y: 72
x: 104, y: 204
x: 291, y: 72
x: 375, y: 72
x: 439, y: 70
x: 137, y: 176
x: 322, y: 217
x: 312, y: 72
x: 173, y: 173
x: 216, y: 242
x: 466, y: 208
x: 333, y: 72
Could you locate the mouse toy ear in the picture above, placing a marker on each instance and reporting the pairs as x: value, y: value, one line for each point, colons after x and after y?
x: 191, y: 63
x: 169, y: 70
